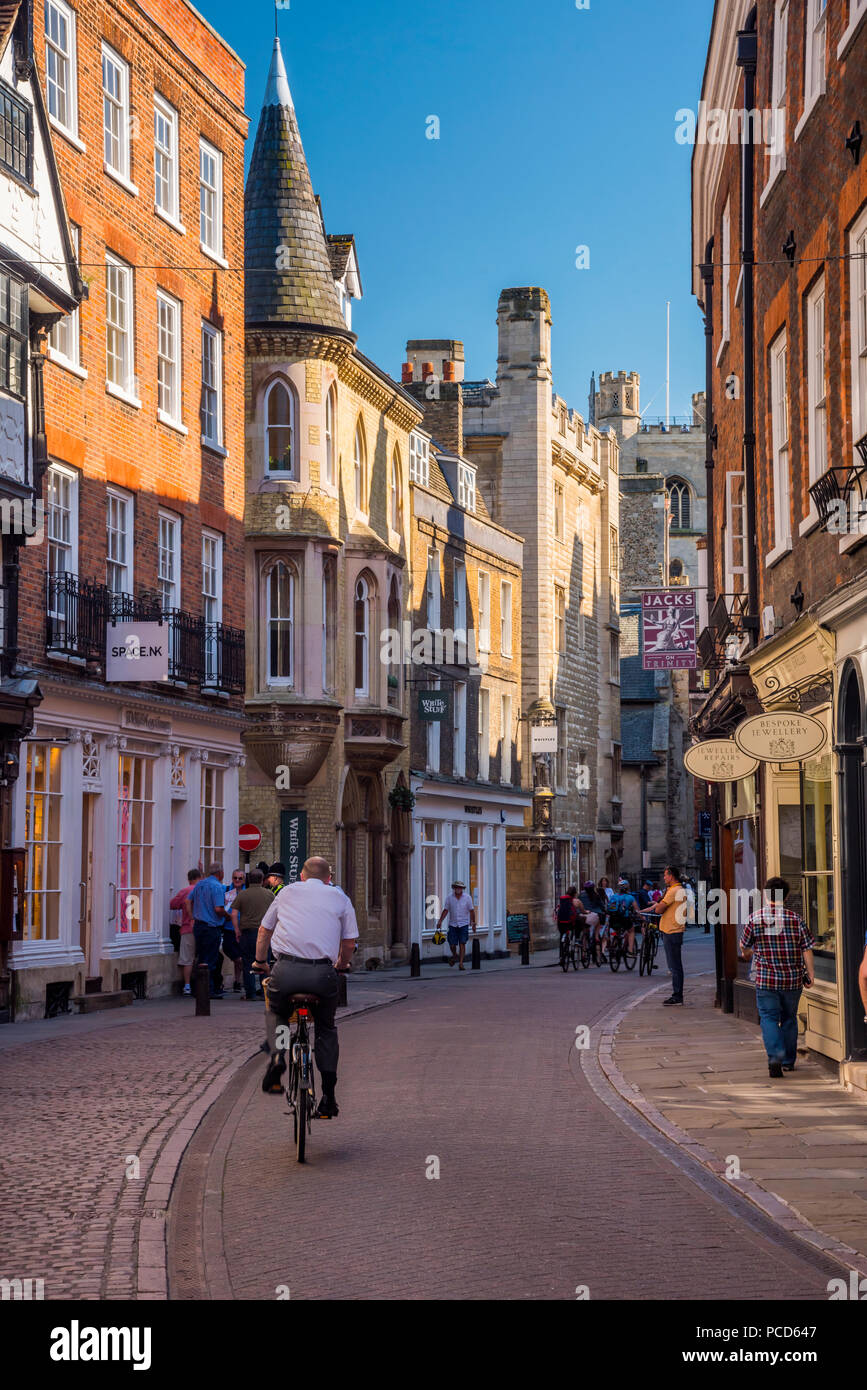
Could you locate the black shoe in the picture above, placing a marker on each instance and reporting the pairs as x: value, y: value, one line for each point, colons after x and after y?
x: 788, y: 1066
x: 271, y: 1083
x: 775, y: 1069
x: 667, y: 1003
x: 326, y: 1109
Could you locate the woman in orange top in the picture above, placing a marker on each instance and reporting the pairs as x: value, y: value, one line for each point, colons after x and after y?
x: 671, y: 911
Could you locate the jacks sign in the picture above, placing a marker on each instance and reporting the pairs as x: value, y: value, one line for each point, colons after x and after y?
x: 668, y: 630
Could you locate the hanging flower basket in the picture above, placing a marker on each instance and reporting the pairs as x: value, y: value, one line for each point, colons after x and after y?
x: 401, y: 798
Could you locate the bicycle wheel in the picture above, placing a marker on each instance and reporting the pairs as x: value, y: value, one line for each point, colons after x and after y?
x: 643, y: 955
x: 598, y: 953
x: 629, y: 957
x: 575, y: 954
x: 614, y: 953
x: 585, y: 951
x: 564, y: 955
x: 301, y: 1123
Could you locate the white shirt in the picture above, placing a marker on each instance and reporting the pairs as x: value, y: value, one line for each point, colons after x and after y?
x: 459, y: 909
x: 310, y: 919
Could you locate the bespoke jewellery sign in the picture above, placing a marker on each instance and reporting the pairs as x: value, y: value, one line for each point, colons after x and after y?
x: 782, y: 737
x: 137, y: 652
x: 718, y: 760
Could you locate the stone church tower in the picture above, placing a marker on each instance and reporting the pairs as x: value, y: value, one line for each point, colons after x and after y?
x: 327, y: 449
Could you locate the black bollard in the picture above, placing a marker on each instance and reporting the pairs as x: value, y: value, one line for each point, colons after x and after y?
x: 414, y: 961
x: 477, y: 955
x: 525, y: 950
x: 202, y: 990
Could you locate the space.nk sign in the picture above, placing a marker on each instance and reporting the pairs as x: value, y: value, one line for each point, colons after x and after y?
x: 668, y: 630
x: 137, y: 652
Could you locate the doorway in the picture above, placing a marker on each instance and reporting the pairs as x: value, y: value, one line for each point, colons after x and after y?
x: 85, y: 886
x: 853, y: 821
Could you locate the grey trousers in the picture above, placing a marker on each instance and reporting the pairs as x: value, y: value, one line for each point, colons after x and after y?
x: 297, y: 977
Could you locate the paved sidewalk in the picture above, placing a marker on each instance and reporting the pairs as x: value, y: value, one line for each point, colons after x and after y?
x: 800, y: 1143
x: 97, y: 1111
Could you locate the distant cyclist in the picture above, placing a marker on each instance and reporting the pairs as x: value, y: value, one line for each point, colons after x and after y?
x: 624, y: 907
x: 566, y: 914
x: 312, y: 930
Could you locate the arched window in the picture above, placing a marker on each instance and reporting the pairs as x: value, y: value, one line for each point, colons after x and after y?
x: 394, y: 624
x: 362, y: 637
x: 330, y: 435
x: 281, y: 624
x: 395, y: 511
x: 681, y: 504
x: 280, y: 430
x: 359, y: 459
x: 675, y: 569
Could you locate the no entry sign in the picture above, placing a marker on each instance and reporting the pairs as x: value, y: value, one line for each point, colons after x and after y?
x: 249, y: 838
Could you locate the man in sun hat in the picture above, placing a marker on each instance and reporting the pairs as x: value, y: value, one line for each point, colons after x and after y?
x: 461, y: 912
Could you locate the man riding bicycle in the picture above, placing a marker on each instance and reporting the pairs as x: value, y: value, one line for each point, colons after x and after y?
x: 312, y: 931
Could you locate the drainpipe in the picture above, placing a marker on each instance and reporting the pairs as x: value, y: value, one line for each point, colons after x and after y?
x: 709, y: 366
x: 747, y: 56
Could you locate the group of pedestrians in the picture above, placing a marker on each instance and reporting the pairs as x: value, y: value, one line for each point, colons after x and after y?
x: 220, y: 923
x: 597, y: 906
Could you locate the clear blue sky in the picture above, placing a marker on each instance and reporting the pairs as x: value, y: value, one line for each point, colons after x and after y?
x: 556, y: 130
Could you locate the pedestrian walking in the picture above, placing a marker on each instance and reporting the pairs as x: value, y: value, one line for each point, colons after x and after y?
x: 671, y: 911
x: 230, y: 946
x: 783, y: 949
x: 275, y: 878
x: 187, y: 944
x: 207, y: 903
x: 461, y: 912
x: 247, y: 911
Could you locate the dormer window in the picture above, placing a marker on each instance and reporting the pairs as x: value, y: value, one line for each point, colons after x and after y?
x: 466, y: 487
x: 280, y: 431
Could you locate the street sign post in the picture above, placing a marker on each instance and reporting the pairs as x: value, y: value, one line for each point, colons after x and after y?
x: 249, y: 838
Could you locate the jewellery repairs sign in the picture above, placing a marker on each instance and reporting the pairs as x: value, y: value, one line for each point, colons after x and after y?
x: 137, y: 652
x: 718, y: 760
x: 668, y: 630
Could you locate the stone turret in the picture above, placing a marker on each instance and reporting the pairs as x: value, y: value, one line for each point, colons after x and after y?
x: 618, y: 402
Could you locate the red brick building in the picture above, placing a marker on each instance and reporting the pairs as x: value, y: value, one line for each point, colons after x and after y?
x: 780, y: 271
x: 127, y: 781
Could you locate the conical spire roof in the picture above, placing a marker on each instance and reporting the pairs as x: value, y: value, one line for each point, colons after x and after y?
x: 289, y: 278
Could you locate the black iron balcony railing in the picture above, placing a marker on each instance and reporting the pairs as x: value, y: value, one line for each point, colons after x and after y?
x: 207, y: 654
x: 839, y: 487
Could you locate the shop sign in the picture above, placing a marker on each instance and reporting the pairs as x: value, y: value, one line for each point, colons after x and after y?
x: 784, y: 736
x: 543, y: 738
x: 668, y: 630
x: 718, y: 760
x: 433, y: 705
x: 137, y: 652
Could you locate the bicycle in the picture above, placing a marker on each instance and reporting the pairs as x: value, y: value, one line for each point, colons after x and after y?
x: 649, y: 948
x: 569, y: 953
x: 618, y: 943
x: 300, y: 1087
x: 590, y: 948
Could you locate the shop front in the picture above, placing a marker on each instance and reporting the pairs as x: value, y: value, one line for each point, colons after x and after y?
x: 460, y: 834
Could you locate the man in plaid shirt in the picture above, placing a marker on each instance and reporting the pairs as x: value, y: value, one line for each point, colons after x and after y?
x: 784, y: 965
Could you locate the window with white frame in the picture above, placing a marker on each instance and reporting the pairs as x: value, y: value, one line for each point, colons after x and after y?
x: 432, y: 754
x: 433, y: 870
x: 166, y: 175
x: 816, y: 380
x: 213, y: 810
x: 419, y: 459
x: 484, y: 734
x: 780, y: 441
x: 60, y: 65
x: 559, y: 618
x: 119, y: 541
x: 484, y: 635
x: 459, y: 721
x: 777, y: 147
x: 169, y: 561
x: 280, y: 415
x: 168, y: 357
x: 43, y: 798
x: 115, y: 112
x: 725, y: 275
x: 135, y: 844
x: 434, y: 589
x: 735, y: 547
x: 359, y: 468
x: 506, y: 738
x: 65, y: 338
x: 211, y: 198
x: 61, y: 519
x: 858, y: 325
x: 505, y: 618
x: 281, y: 625
x: 614, y: 656
x: 466, y: 487
x: 814, y: 66
x: 362, y: 611
x: 459, y: 596
x: 212, y: 599
x: 559, y: 512
x: 212, y: 386
x: 331, y: 436
x: 119, y: 325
